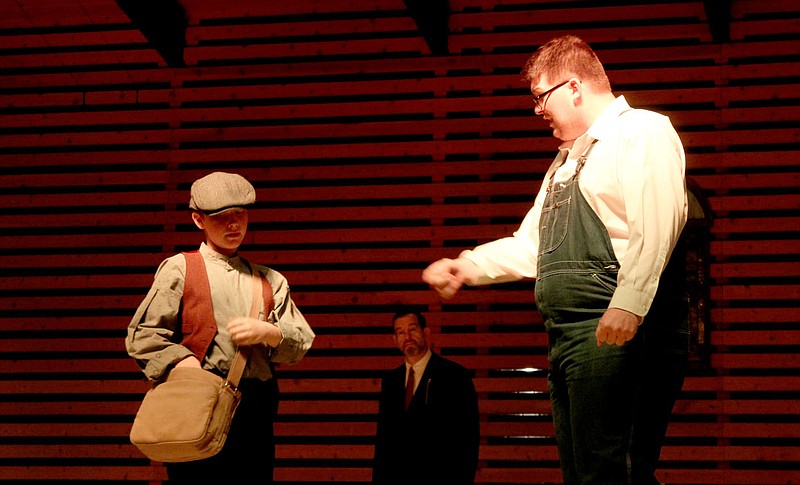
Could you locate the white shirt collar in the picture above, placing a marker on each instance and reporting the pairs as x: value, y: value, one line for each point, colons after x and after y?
x: 211, y: 255
x: 600, y: 129
x: 419, y: 367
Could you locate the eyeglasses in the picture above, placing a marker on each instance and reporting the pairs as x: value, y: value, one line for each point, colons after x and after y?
x: 536, y: 99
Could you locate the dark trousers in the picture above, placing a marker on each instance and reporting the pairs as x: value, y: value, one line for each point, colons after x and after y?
x: 664, y: 364
x: 612, y: 405
x: 250, y: 448
x: 592, y: 391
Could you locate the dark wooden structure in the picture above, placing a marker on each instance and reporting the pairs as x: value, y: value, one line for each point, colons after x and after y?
x: 377, y: 143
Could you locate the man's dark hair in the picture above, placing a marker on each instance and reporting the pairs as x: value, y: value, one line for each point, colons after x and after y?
x: 403, y: 311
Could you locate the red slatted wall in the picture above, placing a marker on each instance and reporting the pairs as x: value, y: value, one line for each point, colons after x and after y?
x: 371, y: 158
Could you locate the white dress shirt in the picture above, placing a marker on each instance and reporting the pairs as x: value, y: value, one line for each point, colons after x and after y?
x: 634, y: 180
x: 419, y: 368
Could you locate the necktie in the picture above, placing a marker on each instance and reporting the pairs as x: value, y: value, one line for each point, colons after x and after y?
x: 409, y: 386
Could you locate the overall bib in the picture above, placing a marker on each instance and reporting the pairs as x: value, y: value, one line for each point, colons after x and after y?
x: 611, y: 404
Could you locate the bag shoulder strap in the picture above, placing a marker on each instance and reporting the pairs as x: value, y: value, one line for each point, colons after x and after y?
x: 261, y: 287
x: 267, y: 294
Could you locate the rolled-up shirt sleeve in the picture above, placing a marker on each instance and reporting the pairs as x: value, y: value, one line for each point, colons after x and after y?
x: 297, y: 333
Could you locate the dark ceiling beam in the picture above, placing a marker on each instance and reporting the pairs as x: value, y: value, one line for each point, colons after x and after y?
x: 718, y: 13
x: 163, y: 23
x: 432, y: 18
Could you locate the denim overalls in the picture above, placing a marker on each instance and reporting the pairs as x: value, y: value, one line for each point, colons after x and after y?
x: 610, y: 404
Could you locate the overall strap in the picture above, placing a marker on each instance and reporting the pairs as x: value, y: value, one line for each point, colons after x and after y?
x: 582, y: 159
x: 199, y: 325
x: 579, y: 165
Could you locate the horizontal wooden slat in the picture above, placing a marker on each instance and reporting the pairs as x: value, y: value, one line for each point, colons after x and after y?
x: 754, y: 314
x: 287, y: 215
x: 721, y: 453
x: 761, y: 225
x: 354, y: 429
x: 82, y: 473
x: 611, y: 56
x: 52, y: 13
x: 338, y: 385
x: 342, y: 236
x: 69, y: 451
x: 724, y: 476
x: 197, y: 34
x: 97, y: 58
x: 202, y: 9
x: 755, y: 246
x: 731, y: 337
x: 407, y: 46
x: 324, y: 299
x: 757, y: 361
x: 683, y: 407
x: 75, y: 39
x: 54, y: 410
x: 487, y: 452
x: 494, y: 19
x: 436, y: 148
x: 353, y: 321
x: 749, y: 203
x: 743, y: 8
x: 749, y: 29
x: 487, y: 42
x: 756, y: 292
x: 760, y: 270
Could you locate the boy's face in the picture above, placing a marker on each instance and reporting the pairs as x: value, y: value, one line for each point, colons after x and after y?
x: 224, y: 231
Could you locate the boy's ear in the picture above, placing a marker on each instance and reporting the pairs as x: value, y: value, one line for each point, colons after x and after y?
x: 198, y: 220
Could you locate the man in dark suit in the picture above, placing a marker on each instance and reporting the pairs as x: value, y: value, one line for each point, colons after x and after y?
x: 433, y: 439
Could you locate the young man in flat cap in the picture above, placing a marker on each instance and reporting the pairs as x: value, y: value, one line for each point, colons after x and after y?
x: 159, y: 338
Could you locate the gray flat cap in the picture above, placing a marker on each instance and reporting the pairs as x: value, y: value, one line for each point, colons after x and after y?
x: 220, y: 191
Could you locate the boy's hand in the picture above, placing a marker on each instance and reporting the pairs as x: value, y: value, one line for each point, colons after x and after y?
x: 249, y: 331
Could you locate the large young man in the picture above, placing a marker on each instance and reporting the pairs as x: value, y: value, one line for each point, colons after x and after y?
x: 598, y: 239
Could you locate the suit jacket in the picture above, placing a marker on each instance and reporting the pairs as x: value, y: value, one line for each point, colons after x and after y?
x: 436, y: 441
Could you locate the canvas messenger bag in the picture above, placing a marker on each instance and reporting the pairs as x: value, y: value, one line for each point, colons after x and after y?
x: 186, y: 416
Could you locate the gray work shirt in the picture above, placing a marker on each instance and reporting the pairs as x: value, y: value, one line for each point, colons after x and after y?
x: 155, y: 330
